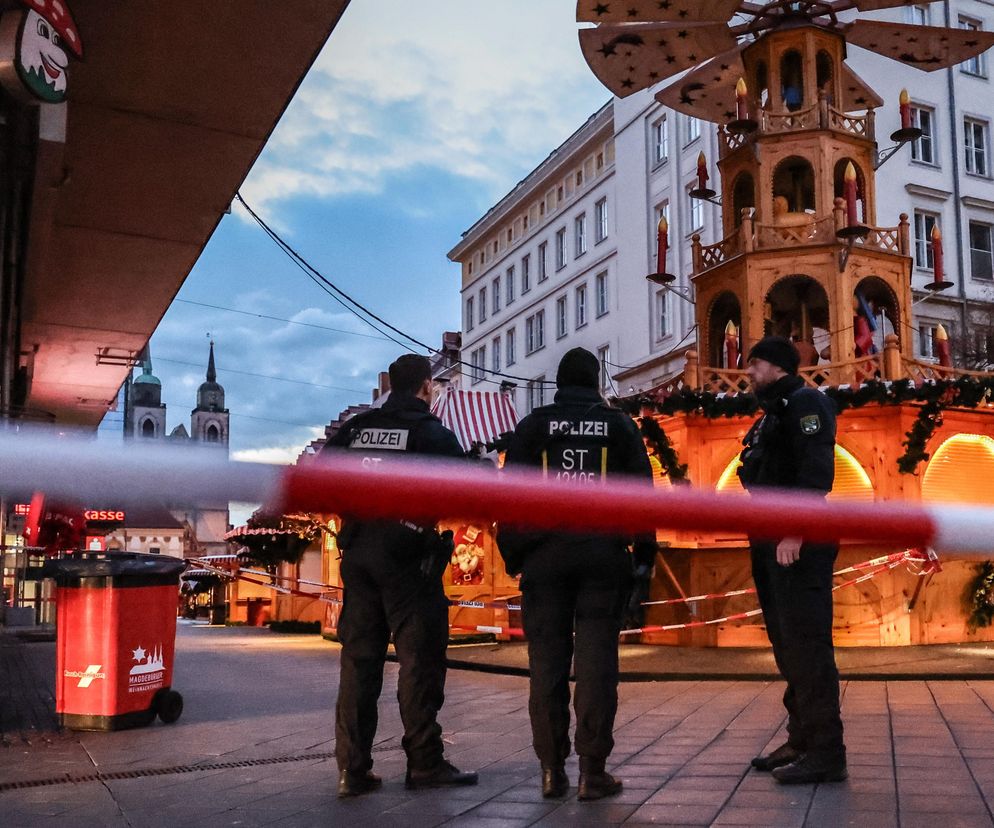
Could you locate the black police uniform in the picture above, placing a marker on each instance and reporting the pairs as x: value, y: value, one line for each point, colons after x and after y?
x: 793, y: 447
x: 574, y: 583
x: 392, y: 586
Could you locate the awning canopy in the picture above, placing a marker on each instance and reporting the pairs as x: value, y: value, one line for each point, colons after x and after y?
x: 476, y: 416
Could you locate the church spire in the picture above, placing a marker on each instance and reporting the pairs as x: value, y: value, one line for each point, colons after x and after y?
x: 211, y: 372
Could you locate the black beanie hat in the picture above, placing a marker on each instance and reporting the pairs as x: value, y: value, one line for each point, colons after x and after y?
x: 578, y: 367
x: 777, y: 351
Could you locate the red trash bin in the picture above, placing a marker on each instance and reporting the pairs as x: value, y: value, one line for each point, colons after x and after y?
x: 115, y: 639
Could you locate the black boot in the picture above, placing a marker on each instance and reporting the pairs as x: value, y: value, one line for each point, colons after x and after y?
x: 595, y: 782
x: 555, y: 782
x: 783, y: 755
x: 441, y: 775
x: 356, y: 784
x: 812, y: 768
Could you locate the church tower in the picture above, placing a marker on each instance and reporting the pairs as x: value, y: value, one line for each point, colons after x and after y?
x: 209, y: 420
x: 145, y: 417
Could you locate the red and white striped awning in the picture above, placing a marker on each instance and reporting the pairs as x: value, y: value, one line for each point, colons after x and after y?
x: 476, y: 416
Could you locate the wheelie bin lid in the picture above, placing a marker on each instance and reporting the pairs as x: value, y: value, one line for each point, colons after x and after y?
x: 118, y: 569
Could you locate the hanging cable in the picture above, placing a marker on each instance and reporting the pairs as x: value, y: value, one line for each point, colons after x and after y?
x: 354, y: 307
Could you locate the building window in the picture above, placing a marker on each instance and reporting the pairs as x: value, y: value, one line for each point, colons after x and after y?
x: 917, y: 13
x: 580, y: 235
x: 604, y: 358
x: 923, y: 149
x: 483, y: 304
x: 496, y: 294
x: 662, y: 320
x: 495, y: 354
x: 924, y: 222
x: 981, y: 262
x: 581, y: 306
x: 696, y: 211
x: 600, y: 291
x: 213, y: 434
x: 579, y: 178
x: 560, y: 317
x: 148, y: 428
x: 926, y: 335
x: 526, y: 274
x: 478, y: 360
x: 975, y: 65
x: 543, y: 261
x: 600, y: 221
x: 660, y: 141
x: 509, y: 345
x: 560, y: 248
x: 535, y: 332
x: 693, y: 129
x: 975, y: 133
x: 536, y: 393
x: 469, y: 314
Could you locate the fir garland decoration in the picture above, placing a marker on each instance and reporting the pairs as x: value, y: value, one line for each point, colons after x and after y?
x: 663, y: 449
x: 982, y: 597
x: 934, y: 395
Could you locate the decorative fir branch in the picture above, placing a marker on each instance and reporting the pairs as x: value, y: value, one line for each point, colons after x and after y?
x: 982, y: 597
x: 661, y: 446
x: 935, y: 396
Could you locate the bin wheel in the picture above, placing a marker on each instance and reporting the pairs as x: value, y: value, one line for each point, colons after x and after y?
x: 169, y: 706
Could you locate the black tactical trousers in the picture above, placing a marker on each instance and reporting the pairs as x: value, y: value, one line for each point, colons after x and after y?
x: 384, y: 595
x: 574, y: 588
x: 797, y: 608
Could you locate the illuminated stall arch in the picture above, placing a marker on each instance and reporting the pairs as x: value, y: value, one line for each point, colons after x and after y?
x: 851, y: 480
x: 960, y: 471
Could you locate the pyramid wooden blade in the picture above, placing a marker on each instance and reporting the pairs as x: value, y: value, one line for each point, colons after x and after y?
x: 857, y: 95
x: 876, y: 5
x: 707, y: 92
x: 650, y: 11
x: 633, y: 56
x: 924, y: 47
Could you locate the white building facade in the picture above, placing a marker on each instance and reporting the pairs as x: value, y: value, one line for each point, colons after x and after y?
x: 561, y: 260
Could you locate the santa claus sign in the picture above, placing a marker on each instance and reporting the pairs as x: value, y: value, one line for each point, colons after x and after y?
x: 36, y: 43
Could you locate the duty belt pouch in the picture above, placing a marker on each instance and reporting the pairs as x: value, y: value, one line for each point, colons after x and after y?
x: 437, y: 555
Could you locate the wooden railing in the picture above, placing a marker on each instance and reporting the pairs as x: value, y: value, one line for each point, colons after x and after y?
x: 753, y: 235
x: 772, y: 123
x: 861, y: 125
x: 707, y: 256
x: 821, y: 115
x: 920, y: 371
x: 817, y: 231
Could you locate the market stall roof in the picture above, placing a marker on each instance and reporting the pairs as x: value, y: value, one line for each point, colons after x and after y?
x: 166, y: 116
x: 476, y: 416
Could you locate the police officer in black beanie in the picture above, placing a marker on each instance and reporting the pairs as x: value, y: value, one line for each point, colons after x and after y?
x: 792, y: 446
x: 575, y: 587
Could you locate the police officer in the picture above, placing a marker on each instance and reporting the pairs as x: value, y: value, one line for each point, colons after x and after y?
x: 792, y: 446
x: 392, y: 576
x: 575, y: 585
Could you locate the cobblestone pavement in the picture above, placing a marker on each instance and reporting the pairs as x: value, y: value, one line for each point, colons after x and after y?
x: 254, y: 747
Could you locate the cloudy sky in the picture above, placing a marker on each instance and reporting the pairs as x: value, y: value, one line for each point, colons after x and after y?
x: 415, y: 119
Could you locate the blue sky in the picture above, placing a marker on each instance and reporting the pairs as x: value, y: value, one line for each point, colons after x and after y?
x: 414, y: 120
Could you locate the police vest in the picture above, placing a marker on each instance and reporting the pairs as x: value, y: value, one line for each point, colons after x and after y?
x: 380, y: 438
x: 575, y: 449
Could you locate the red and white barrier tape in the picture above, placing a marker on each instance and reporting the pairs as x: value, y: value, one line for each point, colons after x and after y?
x: 427, y: 490
x: 897, y: 557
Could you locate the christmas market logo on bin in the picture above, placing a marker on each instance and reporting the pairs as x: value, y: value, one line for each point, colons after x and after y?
x: 36, y: 43
x: 147, y: 674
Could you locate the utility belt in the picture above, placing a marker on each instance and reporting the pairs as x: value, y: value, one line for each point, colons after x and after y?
x: 407, y: 541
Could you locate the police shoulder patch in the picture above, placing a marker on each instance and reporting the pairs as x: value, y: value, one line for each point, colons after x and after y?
x: 810, y: 424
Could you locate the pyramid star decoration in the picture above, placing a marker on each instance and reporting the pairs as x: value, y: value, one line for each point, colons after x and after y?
x: 638, y: 43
